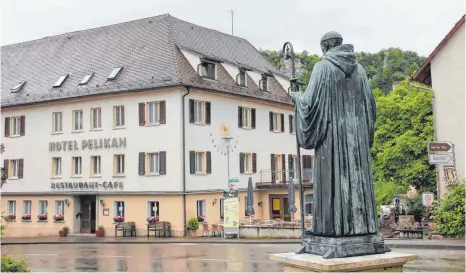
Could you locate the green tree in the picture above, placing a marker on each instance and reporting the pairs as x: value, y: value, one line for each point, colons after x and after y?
x: 384, y: 192
x: 404, y: 126
x: 450, y: 214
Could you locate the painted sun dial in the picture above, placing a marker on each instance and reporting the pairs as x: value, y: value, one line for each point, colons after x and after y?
x: 218, y: 142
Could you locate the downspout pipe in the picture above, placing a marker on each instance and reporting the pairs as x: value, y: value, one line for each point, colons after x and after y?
x: 183, y: 148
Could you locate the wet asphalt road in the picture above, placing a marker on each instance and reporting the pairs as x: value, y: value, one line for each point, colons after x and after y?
x: 191, y: 258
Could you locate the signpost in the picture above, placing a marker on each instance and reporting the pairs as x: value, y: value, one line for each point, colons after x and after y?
x: 441, y: 153
x: 233, y: 183
x: 427, y: 199
x: 231, y: 216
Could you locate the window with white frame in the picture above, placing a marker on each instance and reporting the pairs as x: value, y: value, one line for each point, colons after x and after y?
x: 42, y: 207
x: 153, y: 163
x: 96, y: 118
x: 200, y: 162
x: 11, y: 207
x: 292, y: 125
x: 27, y: 207
x: 77, y: 120
x: 119, y: 164
x: 15, y: 124
x: 199, y: 112
x: 119, y: 116
x: 201, y: 208
x: 60, y: 208
x: 77, y: 166
x: 95, y: 165
x: 56, y: 166
x: 241, y: 78
x: 13, y: 168
x: 247, y: 163
x: 119, y: 208
x: 276, y: 122
x: 153, y: 113
x: 57, y: 122
x: 246, y: 122
x: 153, y: 208
x: 309, y: 203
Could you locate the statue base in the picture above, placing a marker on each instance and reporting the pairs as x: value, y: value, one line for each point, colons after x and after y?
x: 387, y: 262
x: 341, y: 247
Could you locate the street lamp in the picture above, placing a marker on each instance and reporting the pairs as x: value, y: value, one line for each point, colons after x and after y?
x: 227, y: 141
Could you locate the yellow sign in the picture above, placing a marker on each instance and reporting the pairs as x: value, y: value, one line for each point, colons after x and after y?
x: 231, y: 212
x: 275, y: 204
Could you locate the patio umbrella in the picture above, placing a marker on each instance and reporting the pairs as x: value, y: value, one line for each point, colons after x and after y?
x: 250, y: 200
x: 291, y: 199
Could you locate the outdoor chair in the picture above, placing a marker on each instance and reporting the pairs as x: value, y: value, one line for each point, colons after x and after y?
x: 205, y: 229
x: 126, y: 228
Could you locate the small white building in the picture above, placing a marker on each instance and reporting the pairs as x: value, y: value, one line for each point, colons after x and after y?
x: 130, y: 119
x: 444, y: 72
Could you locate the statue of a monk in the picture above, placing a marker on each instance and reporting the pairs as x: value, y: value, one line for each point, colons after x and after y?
x: 336, y: 117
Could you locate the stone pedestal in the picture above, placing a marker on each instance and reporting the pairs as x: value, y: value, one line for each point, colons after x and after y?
x: 387, y: 262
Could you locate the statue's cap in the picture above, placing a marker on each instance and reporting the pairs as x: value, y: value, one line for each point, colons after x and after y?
x: 331, y: 35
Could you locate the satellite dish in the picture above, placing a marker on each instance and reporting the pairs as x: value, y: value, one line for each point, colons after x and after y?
x: 224, y: 129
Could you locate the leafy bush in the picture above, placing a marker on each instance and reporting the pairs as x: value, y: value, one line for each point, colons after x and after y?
x: 449, y: 214
x: 415, y: 207
x: 11, y: 265
x: 193, y: 224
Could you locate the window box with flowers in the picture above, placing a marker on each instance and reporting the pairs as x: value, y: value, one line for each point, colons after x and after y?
x: 200, y: 218
x: 26, y: 217
x: 58, y: 218
x: 42, y: 217
x: 11, y: 217
x: 118, y: 219
x: 152, y: 220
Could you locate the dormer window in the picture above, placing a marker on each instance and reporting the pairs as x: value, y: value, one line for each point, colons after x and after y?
x: 18, y: 87
x: 115, y: 73
x: 206, y: 69
x: 241, y: 78
x: 60, y: 81
x: 263, y: 82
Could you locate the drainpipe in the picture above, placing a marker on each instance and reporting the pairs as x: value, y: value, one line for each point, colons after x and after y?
x: 183, y: 148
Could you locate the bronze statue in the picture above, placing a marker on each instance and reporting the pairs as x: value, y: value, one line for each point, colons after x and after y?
x: 336, y: 117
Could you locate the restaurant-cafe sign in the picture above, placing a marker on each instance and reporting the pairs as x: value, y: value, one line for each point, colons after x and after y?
x: 106, y: 185
x: 100, y: 143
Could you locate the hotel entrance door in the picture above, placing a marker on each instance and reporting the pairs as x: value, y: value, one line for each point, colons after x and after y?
x: 88, y: 214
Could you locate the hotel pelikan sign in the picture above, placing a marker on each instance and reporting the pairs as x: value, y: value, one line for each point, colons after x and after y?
x: 90, y: 144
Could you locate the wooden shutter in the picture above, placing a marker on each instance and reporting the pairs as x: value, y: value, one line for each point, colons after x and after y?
x: 163, y: 112
x: 208, y: 160
x: 5, y: 166
x: 207, y: 112
x: 282, y: 116
x: 284, y: 167
x: 254, y: 163
x: 22, y: 127
x: 272, y: 167
x: 142, y: 163
x: 291, y: 123
x: 291, y: 166
x: 20, y: 168
x: 240, y: 117
x: 192, y: 162
x: 7, y: 127
x: 271, y: 121
x: 142, y: 114
x: 191, y: 111
x: 253, y: 118
x: 163, y: 163
x: 241, y: 162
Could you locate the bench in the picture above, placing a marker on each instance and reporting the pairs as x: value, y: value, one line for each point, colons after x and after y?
x: 160, y: 229
x: 126, y: 228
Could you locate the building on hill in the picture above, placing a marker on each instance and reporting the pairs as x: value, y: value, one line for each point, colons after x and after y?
x: 444, y: 72
x: 131, y: 120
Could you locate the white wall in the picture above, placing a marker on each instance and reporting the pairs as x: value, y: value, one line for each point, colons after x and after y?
x: 448, y: 83
x: 283, y: 82
x: 260, y: 140
x: 255, y: 76
x: 33, y: 147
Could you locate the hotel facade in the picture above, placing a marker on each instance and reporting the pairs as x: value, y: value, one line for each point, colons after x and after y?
x: 133, y: 120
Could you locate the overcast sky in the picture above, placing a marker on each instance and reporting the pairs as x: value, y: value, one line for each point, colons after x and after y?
x: 370, y: 25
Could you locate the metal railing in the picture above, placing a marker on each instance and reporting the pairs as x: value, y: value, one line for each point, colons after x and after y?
x: 283, y: 175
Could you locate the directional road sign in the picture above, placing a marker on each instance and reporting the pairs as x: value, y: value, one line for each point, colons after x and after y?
x: 440, y: 152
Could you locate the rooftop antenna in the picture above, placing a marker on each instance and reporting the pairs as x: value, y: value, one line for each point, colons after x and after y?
x: 232, y: 21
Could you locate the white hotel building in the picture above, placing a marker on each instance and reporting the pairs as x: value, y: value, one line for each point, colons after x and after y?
x: 120, y: 119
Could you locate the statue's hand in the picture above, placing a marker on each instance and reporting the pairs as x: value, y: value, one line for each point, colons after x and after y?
x: 294, y: 96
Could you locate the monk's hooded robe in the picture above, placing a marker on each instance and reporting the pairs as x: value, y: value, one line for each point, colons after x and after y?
x: 336, y: 117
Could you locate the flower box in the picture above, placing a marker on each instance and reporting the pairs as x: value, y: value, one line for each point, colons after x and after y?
x: 118, y: 219
x: 58, y: 218
x: 42, y: 217
x: 200, y: 218
x: 26, y: 217
x: 11, y: 217
x: 151, y: 220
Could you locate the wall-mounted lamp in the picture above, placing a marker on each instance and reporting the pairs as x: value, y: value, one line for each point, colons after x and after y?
x: 102, y: 203
x: 67, y: 203
x: 214, y: 202
x: 260, y: 203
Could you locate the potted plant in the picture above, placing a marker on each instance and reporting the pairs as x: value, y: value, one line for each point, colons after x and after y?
x: 58, y: 217
x: 11, y: 217
x: 200, y: 218
x: 100, y: 232
x: 153, y: 219
x: 66, y: 230
x: 193, y: 225
x: 26, y: 216
x: 63, y: 232
x: 118, y: 219
x: 42, y: 217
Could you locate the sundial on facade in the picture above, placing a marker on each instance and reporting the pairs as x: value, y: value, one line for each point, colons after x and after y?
x: 218, y: 142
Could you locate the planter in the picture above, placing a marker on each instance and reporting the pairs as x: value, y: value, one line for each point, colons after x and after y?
x: 62, y: 233
x: 192, y: 233
x: 100, y: 233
